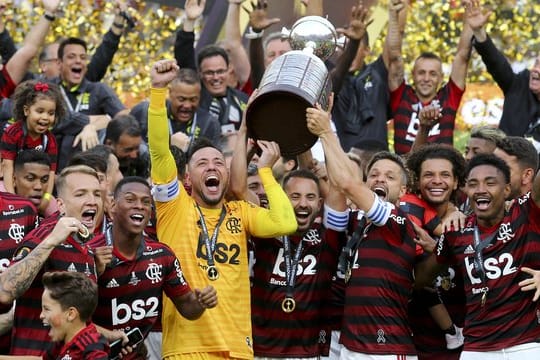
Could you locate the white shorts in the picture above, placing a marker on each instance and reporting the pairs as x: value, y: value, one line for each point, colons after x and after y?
x: 529, y: 351
x: 153, y: 345
x: 335, y: 347
x: 347, y: 354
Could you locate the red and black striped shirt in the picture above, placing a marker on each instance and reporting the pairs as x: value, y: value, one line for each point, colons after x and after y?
x: 130, y: 291
x: 378, y: 292
x: 295, y: 334
x: 88, y: 344
x: 509, y: 316
x: 405, y: 107
x: 29, y: 336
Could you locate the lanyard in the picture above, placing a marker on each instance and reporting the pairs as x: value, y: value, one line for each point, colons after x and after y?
x: 480, y: 245
x: 291, y: 263
x: 68, y: 102
x: 348, y: 251
x: 210, y: 242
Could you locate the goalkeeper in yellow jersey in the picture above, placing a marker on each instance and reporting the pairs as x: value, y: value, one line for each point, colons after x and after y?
x: 209, y: 234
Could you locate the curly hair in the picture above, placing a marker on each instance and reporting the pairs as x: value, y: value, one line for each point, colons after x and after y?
x: 435, y: 151
x: 28, y: 92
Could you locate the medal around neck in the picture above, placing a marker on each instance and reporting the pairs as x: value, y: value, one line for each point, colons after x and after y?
x: 288, y: 305
x: 212, y: 273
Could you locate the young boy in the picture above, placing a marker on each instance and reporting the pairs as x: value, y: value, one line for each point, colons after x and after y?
x: 68, y: 302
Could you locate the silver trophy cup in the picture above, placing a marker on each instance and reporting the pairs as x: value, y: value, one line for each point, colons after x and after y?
x: 291, y: 83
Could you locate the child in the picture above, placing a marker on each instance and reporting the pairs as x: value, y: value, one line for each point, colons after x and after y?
x: 36, y: 107
x: 68, y: 302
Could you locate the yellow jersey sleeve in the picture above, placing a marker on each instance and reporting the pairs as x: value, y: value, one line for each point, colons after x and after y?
x: 163, y: 164
x: 279, y: 219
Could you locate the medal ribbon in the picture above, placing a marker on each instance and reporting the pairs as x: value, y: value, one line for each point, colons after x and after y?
x: 291, y: 264
x: 480, y: 245
x: 210, y: 242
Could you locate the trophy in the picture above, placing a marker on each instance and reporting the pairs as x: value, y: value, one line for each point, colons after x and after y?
x: 293, y: 82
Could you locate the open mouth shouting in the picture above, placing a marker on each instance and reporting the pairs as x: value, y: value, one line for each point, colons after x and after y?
x: 88, y: 219
x: 482, y: 203
x: 380, y: 191
x: 137, y: 219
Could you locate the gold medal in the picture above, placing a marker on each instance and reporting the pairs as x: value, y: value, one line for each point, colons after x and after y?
x: 288, y: 305
x: 212, y: 273
x: 348, y: 275
x: 446, y: 283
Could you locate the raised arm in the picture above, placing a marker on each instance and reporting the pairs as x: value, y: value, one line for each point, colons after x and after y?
x: 237, y: 53
x: 163, y: 164
x: 102, y: 59
x: 341, y: 170
x: 496, y: 63
x: 184, y: 51
x: 17, y: 278
x: 258, y: 22
x: 279, y: 218
x: 355, y: 32
x: 394, y: 42
x: 20, y: 61
x: 463, y: 55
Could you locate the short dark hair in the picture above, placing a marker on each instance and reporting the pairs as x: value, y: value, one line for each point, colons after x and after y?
x: 186, y: 76
x: 304, y: 174
x: 437, y: 151
x: 26, y: 95
x: 72, y: 289
x: 122, y: 124
x: 522, y: 149
x: 387, y: 155
x: 130, y: 180
x: 70, y: 41
x: 31, y: 156
x: 95, y: 161
x: 211, y: 51
x: 200, y: 143
x: 492, y: 160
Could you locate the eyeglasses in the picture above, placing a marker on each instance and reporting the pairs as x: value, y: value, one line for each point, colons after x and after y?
x: 212, y: 73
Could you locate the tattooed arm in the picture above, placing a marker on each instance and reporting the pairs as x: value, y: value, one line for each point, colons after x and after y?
x: 17, y: 278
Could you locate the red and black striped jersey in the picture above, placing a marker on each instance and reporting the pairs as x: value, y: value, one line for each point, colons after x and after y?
x: 88, y: 344
x: 508, y: 317
x: 29, y: 336
x: 130, y: 291
x: 406, y: 105
x: 378, y: 292
x: 295, y: 334
x: 18, y: 218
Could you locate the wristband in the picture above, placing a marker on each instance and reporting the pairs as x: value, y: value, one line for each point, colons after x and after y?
x: 252, y: 34
x: 47, y: 196
x: 49, y: 17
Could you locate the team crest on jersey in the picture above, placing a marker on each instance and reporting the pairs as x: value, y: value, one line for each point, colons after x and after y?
x: 234, y: 225
x: 153, y: 272
x: 505, y: 233
x: 312, y: 237
x: 16, y: 232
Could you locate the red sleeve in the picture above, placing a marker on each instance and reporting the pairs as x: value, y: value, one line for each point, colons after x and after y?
x: 7, y: 86
x: 454, y: 94
x: 175, y: 284
x: 52, y: 150
x: 395, y: 97
x: 10, y: 140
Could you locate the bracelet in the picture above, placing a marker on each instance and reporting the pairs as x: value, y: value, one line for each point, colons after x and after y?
x: 49, y: 17
x: 252, y: 34
x: 118, y: 25
x: 47, y: 196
